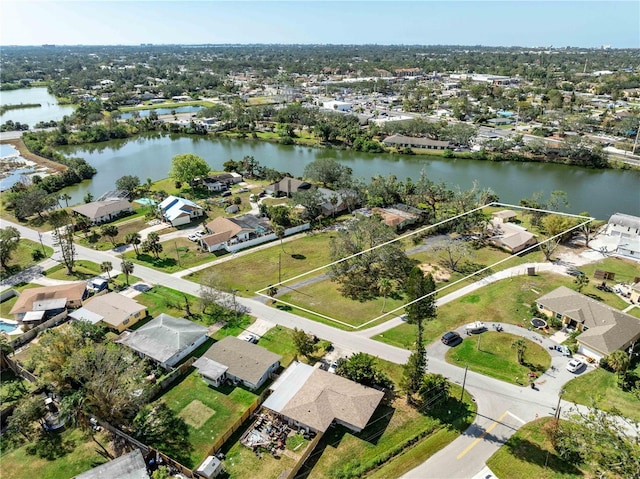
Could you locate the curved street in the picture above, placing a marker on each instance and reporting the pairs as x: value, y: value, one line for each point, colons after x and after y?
x: 502, y: 407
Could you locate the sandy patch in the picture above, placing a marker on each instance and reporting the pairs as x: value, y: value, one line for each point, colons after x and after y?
x: 439, y: 274
x: 195, y: 414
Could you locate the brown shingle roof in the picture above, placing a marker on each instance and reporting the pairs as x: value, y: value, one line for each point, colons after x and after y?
x: 72, y: 292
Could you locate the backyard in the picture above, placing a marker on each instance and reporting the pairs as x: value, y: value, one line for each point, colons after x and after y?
x: 208, y: 412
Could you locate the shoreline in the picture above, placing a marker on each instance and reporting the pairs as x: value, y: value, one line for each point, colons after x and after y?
x: 39, y: 161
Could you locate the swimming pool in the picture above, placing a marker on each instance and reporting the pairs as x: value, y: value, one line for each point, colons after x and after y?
x: 7, y: 328
x: 145, y: 201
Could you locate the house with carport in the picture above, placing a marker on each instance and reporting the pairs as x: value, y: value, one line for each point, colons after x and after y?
x: 313, y: 399
x: 36, y: 305
x: 113, y: 310
x: 179, y: 211
x: 238, y: 361
x: 165, y: 340
x: 510, y: 237
x: 604, y: 329
x: 225, y: 232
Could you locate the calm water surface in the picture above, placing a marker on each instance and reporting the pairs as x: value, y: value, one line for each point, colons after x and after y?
x: 49, y: 109
x: 600, y: 192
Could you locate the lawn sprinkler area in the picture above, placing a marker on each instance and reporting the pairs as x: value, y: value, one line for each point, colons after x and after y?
x: 312, y: 294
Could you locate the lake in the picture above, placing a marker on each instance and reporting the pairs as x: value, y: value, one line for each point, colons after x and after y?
x: 600, y: 192
x: 49, y: 109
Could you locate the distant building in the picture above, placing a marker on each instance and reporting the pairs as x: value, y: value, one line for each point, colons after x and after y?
x: 401, y: 141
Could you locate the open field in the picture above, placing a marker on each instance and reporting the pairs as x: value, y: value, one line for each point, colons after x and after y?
x: 209, y: 412
x: 491, y: 353
x: 259, y: 269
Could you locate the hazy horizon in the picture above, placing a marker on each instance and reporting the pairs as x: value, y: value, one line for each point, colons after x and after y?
x: 516, y: 23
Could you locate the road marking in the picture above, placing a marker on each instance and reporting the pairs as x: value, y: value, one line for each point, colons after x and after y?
x: 487, y: 431
x: 516, y: 417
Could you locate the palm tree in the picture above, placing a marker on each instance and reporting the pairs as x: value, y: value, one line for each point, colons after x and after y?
x: 581, y: 281
x: 106, y: 267
x: 134, y: 239
x: 520, y: 345
x: 127, y: 268
x: 66, y: 198
x: 619, y: 362
x: 279, y: 231
x: 385, y: 286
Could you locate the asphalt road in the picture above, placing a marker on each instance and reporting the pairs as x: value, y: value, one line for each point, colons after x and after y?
x: 502, y: 407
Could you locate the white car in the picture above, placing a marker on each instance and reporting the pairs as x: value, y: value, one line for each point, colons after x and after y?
x: 200, y: 234
x: 193, y: 237
x: 575, y: 365
x: 332, y: 367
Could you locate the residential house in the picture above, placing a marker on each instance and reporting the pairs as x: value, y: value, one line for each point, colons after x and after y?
x: 114, y: 310
x: 127, y: 466
x: 625, y: 231
x: 310, y: 398
x: 401, y: 141
x: 510, y: 237
x: 225, y: 232
x: 335, y: 202
x: 179, y: 211
x: 399, y: 216
x: 36, y: 305
x: 103, y: 211
x: 238, y: 361
x: 222, y: 181
x: 165, y: 339
x: 635, y: 293
x: 287, y: 186
x: 604, y: 329
x: 503, y: 216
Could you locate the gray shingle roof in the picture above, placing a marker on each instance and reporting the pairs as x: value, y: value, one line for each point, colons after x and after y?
x: 129, y: 466
x: 245, y: 360
x: 163, y: 337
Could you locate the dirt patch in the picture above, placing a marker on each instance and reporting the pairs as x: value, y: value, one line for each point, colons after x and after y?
x: 38, y: 160
x: 195, y: 414
x: 439, y: 275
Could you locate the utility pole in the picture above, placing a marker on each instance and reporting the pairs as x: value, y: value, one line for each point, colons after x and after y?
x: 175, y: 243
x: 464, y: 381
x: 635, y: 143
x: 280, y: 267
x: 41, y: 244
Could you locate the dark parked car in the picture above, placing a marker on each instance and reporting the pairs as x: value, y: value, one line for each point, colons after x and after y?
x: 575, y: 272
x: 451, y: 338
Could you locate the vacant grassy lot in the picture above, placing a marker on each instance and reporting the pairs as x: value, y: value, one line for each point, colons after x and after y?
x: 75, y: 453
x: 161, y: 299
x: 506, y: 301
x: 344, y: 454
x: 524, y: 455
x: 496, y: 357
x: 251, y: 272
x: 209, y: 412
x: 177, y: 254
x: 602, y: 387
x: 22, y: 258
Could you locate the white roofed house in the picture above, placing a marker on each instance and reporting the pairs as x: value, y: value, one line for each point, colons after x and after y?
x: 179, y: 211
x: 165, y: 339
x: 625, y: 230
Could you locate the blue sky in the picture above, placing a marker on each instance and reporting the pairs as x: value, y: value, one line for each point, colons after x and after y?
x: 502, y: 23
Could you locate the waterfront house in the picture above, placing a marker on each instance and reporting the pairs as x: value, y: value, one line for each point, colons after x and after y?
x: 179, y: 211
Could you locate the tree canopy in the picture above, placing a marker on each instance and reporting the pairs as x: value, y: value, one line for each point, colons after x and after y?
x: 186, y: 167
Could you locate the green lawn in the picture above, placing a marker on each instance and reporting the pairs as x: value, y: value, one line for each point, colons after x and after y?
x: 506, y: 301
x: 130, y: 224
x: 601, y: 386
x: 251, y: 272
x: 22, y: 259
x: 625, y: 272
x: 525, y: 453
x: 161, y: 299
x: 82, y: 269
x: 79, y: 454
x: 222, y: 408
x: 241, y: 463
x: 177, y: 254
x: 344, y: 454
x: 278, y: 340
x: 497, y: 359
